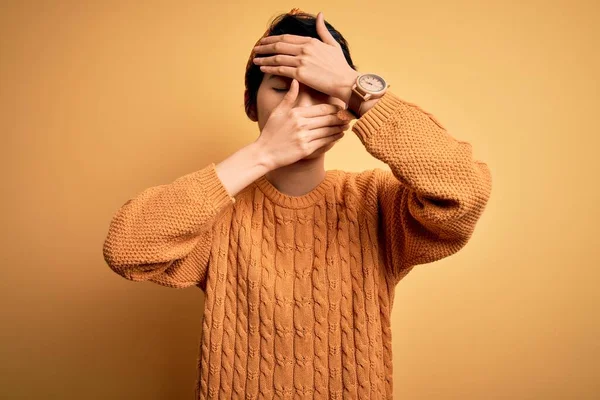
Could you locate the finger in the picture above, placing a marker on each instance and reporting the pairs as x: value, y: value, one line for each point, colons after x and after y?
x: 326, y: 131
x: 317, y: 110
x: 282, y: 70
x: 279, y: 48
x: 290, y: 97
x: 288, y: 38
x: 318, y: 143
x: 324, y: 33
x: 279, y: 59
x: 345, y: 115
x: 324, y: 120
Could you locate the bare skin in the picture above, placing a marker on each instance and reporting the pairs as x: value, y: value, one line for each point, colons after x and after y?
x: 306, y: 82
x: 303, y: 175
x: 298, y: 125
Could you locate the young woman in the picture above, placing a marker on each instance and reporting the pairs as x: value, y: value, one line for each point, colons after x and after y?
x: 299, y: 264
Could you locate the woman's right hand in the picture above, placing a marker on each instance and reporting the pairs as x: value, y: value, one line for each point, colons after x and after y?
x: 290, y: 134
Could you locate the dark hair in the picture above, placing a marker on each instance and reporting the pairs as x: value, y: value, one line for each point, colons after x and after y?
x: 301, y: 24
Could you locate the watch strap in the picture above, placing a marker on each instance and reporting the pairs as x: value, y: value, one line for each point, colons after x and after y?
x: 355, y: 102
x: 357, y: 97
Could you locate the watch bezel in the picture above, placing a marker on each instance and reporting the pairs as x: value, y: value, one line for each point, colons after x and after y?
x: 371, y: 92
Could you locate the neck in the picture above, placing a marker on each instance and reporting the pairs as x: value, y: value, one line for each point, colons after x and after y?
x: 298, y: 178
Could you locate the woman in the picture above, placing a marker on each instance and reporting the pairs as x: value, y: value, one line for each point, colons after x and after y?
x: 299, y: 264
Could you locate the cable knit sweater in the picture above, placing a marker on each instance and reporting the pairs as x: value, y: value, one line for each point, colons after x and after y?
x: 299, y: 290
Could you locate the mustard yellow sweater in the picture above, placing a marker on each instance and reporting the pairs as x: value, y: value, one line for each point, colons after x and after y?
x: 299, y: 290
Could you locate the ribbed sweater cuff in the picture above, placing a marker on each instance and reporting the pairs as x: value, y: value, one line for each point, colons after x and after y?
x: 371, y: 121
x: 213, y: 187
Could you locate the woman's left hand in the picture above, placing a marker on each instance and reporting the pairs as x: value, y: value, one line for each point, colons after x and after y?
x: 318, y: 64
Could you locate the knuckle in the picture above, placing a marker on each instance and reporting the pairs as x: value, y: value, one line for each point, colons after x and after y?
x: 301, y: 74
x: 303, y: 137
x: 305, y: 146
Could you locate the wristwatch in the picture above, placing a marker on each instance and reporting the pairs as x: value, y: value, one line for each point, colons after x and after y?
x: 366, y: 87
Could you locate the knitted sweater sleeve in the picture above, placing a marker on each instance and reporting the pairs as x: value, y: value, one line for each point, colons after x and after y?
x: 164, y: 234
x: 430, y: 201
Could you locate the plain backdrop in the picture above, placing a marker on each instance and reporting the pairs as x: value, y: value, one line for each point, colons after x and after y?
x: 101, y: 99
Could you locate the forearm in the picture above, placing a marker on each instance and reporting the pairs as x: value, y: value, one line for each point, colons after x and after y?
x: 431, y: 200
x: 424, y: 157
x: 242, y: 168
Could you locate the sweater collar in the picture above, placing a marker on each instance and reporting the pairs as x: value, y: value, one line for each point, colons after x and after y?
x: 306, y: 200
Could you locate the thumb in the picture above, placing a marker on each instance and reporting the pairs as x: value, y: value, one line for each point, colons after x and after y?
x: 324, y: 33
x: 290, y: 97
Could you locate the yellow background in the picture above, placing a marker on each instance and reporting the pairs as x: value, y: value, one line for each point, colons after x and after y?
x: 101, y: 99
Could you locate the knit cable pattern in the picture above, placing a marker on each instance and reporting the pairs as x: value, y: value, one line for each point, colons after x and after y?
x: 299, y: 289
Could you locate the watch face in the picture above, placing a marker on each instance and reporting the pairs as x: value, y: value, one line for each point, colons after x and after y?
x: 372, y: 83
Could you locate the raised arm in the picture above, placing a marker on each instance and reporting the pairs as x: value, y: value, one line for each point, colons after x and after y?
x: 431, y: 200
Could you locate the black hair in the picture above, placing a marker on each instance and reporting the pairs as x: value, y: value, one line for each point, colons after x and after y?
x: 301, y: 24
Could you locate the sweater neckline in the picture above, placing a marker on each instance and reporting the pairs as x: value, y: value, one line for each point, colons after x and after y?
x: 305, y: 200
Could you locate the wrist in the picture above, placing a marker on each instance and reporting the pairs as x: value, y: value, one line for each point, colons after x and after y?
x: 241, y: 168
x: 367, y: 105
x: 264, y: 159
x: 346, y: 93
x: 346, y: 83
